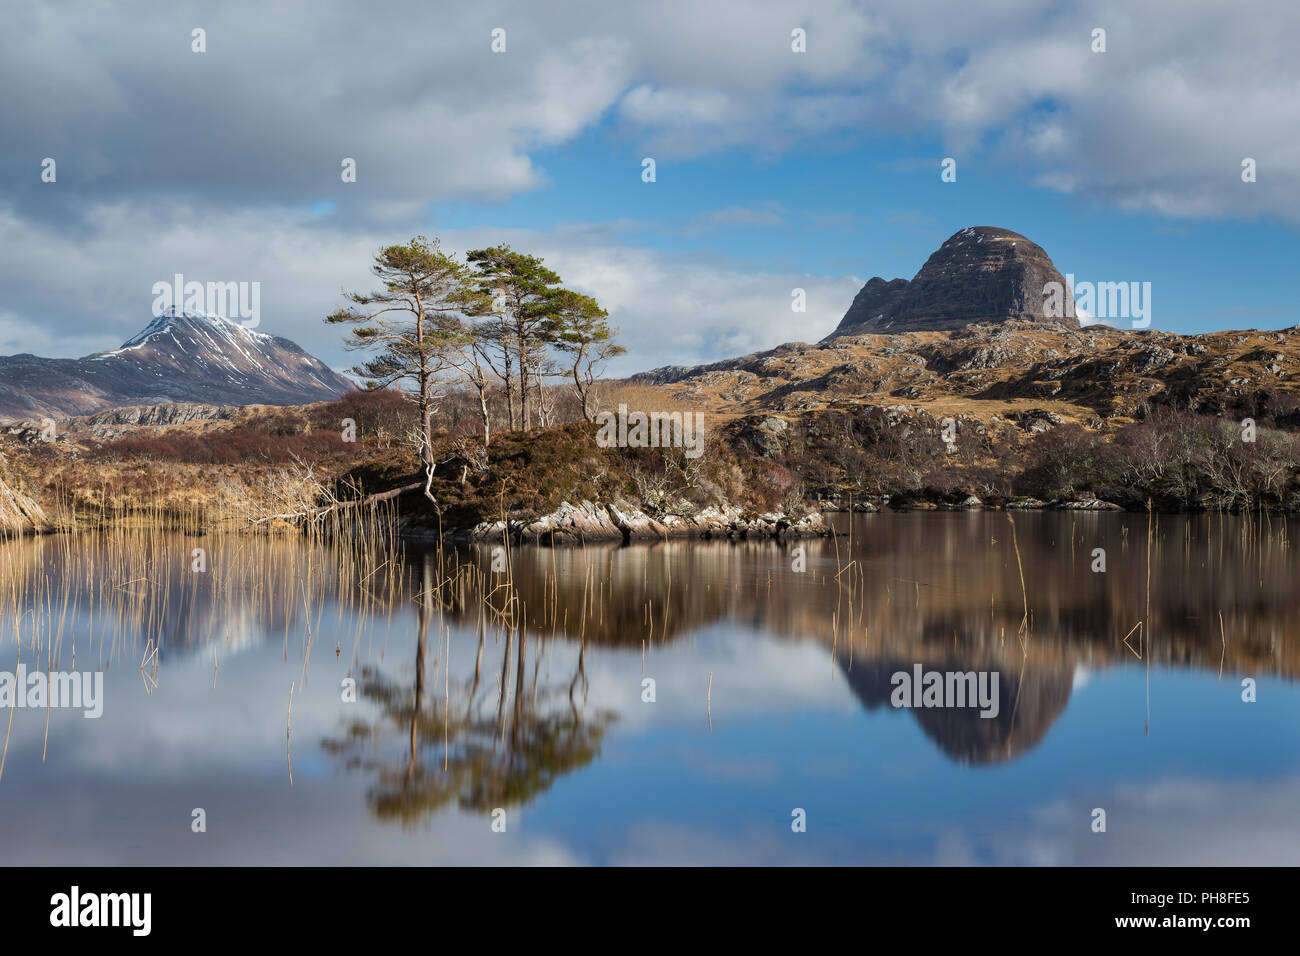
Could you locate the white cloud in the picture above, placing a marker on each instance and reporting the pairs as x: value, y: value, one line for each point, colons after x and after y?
x: 1160, y: 121
x: 670, y: 309
x: 1235, y: 822
x: 764, y: 214
x: 648, y: 106
x: 174, y: 161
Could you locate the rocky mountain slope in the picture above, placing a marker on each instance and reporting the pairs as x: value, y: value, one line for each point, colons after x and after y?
x: 180, y: 357
x: 967, y: 338
x: 980, y: 274
x: 1092, y: 376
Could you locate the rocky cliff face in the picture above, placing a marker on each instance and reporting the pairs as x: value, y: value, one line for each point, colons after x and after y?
x: 876, y: 302
x: 981, y: 274
x: 134, y: 416
x: 179, y: 357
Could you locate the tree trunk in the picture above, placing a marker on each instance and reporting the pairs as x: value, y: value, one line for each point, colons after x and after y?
x: 510, y: 392
x: 583, y: 391
x: 483, y: 410
x: 421, y: 645
x: 427, y: 433
x: 523, y: 391
x: 545, y: 409
x: 426, y: 409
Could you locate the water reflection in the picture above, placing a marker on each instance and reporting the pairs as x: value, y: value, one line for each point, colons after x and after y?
x: 478, y: 690
x: 461, y: 747
x: 1028, y: 702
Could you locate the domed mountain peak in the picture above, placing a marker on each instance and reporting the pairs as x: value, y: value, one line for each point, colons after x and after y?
x: 979, y: 274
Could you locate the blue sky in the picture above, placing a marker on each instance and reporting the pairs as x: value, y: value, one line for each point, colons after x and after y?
x: 878, y: 207
x: 774, y: 169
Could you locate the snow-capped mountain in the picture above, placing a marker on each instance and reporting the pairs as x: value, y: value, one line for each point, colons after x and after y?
x: 178, y: 357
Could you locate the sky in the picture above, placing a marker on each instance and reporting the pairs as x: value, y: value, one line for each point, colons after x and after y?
x: 775, y: 170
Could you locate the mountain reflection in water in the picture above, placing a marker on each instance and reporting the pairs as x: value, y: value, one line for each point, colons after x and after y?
x: 477, y: 691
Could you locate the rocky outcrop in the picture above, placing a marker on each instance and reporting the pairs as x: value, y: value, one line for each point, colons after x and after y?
x: 982, y: 274
x: 174, y: 413
x: 874, y: 302
x: 117, y: 421
x: 590, y: 522
x: 19, y: 513
x: 1098, y: 377
x: 758, y: 364
x: 1035, y: 420
x: 764, y: 435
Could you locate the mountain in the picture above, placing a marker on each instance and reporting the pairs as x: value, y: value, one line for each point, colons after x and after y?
x: 967, y: 335
x: 1028, y: 372
x: 178, y: 357
x: 981, y: 274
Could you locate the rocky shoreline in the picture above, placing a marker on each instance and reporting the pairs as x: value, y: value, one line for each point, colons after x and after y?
x: 969, y: 503
x: 594, y: 522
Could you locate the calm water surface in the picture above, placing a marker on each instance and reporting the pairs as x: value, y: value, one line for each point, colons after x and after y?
x: 525, y: 692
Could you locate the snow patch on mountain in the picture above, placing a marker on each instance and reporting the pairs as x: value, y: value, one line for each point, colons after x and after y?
x: 180, y: 356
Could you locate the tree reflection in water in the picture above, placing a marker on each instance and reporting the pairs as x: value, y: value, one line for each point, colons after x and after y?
x: 459, y: 745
